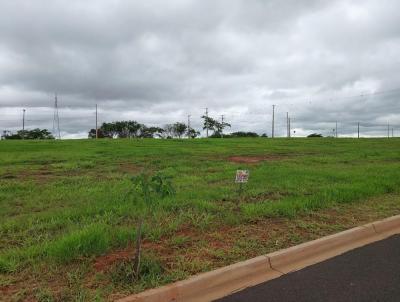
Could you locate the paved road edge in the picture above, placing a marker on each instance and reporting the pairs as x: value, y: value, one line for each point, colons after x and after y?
x: 227, y: 280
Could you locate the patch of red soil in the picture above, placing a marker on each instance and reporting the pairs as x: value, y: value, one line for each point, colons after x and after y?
x: 103, y: 262
x: 130, y: 168
x: 41, y: 176
x: 8, y: 290
x: 254, y: 159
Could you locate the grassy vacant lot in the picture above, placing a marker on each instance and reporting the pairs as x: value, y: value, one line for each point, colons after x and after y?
x: 67, y: 217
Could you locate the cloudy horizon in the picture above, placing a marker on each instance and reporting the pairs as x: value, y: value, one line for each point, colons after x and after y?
x: 158, y: 62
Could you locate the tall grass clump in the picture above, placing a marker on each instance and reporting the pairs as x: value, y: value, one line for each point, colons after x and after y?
x: 7, y: 265
x: 92, y: 240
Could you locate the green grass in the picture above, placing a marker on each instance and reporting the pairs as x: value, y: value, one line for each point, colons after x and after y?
x: 63, y: 203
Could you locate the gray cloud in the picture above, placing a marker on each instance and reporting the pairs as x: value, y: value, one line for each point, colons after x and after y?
x: 157, y: 62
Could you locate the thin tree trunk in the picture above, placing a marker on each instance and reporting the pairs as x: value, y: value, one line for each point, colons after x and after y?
x: 136, y: 260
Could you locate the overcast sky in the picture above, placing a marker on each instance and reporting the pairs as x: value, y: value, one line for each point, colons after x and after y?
x: 158, y: 61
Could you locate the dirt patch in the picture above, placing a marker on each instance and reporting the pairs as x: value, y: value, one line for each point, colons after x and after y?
x: 46, y: 174
x: 130, y: 168
x: 105, y: 262
x: 8, y: 290
x: 102, y: 263
x: 255, y: 159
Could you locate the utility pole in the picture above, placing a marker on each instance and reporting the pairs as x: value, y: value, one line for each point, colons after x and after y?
x: 392, y: 132
x: 23, y: 123
x: 56, y: 119
x: 358, y: 130
x: 207, y: 125
x: 23, y: 119
x: 273, y: 121
x: 336, y: 130
x: 388, y: 132
x: 188, y: 126
x: 97, y: 128
x: 222, y: 130
x: 287, y: 124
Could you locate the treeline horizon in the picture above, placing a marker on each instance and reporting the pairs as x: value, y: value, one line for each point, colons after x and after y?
x: 134, y: 129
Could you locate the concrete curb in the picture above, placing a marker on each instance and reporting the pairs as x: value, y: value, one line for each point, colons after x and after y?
x: 224, y: 281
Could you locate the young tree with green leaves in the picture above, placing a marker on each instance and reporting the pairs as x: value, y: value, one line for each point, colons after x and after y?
x: 150, y: 189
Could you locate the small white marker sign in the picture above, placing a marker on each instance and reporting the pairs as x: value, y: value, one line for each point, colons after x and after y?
x: 242, y: 176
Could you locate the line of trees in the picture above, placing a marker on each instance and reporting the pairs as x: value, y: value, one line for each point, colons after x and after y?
x: 133, y: 129
x: 28, y: 134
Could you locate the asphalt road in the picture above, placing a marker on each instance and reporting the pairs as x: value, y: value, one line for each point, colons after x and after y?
x: 369, y: 273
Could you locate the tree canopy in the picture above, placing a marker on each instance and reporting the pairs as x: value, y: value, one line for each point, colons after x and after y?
x: 315, y: 135
x: 29, y: 134
x: 133, y: 129
x: 214, y: 125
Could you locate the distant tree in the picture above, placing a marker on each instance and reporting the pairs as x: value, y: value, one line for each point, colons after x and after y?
x: 134, y: 129
x: 179, y: 129
x: 37, y: 134
x: 100, y: 133
x: 315, y: 135
x: 244, y: 134
x: 168, y: 131
x: 192, y: 133
x: 109, y: 130
x: 219, y: 127
x: 120, y: 129
x: 214, y: 125
x: 30, y: 134
x: 264, y: 135
x: 151, y: 132
x: 208, y: 123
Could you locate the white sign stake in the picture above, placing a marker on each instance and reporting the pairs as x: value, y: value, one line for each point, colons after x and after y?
x: 242, y: 176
